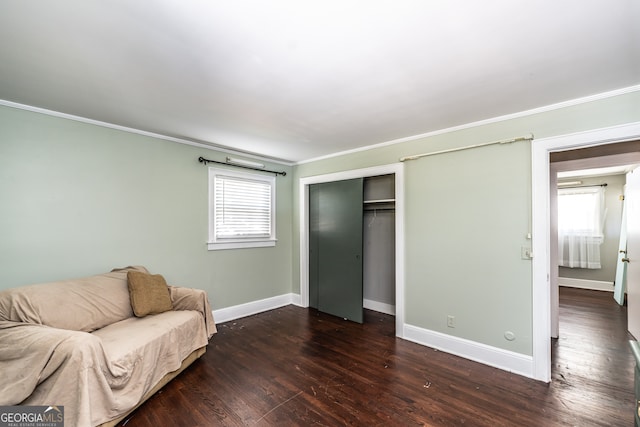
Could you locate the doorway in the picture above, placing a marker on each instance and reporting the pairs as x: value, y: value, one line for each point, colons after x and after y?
x: 584, y: 166
x: 396, y: 169
x: 541, y: 149
x: 589, y: 328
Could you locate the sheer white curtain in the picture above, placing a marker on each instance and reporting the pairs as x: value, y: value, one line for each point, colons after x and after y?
x: 581, y: 213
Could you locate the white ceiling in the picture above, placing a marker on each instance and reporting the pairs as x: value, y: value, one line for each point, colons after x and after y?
x: 296, y: 79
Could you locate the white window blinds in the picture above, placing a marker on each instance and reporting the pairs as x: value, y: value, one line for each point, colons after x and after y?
x: 241, y: 211
x: 242, y: 208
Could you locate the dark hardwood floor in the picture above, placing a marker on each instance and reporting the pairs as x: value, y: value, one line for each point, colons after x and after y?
x: 295, y: 366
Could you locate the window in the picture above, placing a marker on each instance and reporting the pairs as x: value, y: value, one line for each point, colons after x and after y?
x: 241, y: 210
x: 580, y: 226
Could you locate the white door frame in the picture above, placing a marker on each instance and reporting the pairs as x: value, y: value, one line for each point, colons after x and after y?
x: 540, y: 149
x: 303, y: 209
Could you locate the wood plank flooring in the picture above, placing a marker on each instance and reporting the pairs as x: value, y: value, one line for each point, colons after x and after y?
x: 295, y: 366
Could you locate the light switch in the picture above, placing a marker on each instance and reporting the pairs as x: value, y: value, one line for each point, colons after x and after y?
x: 526, y: 252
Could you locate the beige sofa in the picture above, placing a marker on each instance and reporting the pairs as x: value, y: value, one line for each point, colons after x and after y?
x: 80, y: 343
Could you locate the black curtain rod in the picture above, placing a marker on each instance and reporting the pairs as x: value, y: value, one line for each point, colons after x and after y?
x: 205, y: 161
x: 584, y: 186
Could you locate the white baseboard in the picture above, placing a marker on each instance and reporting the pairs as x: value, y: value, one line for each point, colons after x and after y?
x: 502, y: 359
x: 296, y: 299
x: 254, y: 307
x: 379, y: 306
x: 242, y: 310
x: 506, y: 360
x: 595, y: 285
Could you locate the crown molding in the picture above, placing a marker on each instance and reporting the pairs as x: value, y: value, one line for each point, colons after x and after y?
x: 551, y: 107
x: 223, y: 149
x: 193, y: 143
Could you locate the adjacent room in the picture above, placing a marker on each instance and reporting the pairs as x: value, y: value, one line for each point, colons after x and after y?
x: 332, y: 213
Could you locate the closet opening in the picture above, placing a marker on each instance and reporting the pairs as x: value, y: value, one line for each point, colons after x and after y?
x: 378, y: 235
x: 352, y: 246
x: 378, y: 206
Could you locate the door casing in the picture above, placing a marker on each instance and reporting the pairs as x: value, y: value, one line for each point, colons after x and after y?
x: 540, y: 169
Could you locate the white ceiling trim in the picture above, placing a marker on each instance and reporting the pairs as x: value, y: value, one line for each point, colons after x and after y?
x: 212, y: 146
x: 597, y: 170
x: 538, y: 110
x: 206, y: 145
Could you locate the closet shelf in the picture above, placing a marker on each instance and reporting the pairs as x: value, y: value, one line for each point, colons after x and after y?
x: 370, y: 202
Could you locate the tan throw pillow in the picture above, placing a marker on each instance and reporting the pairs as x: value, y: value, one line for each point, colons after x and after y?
x: 149, y: 293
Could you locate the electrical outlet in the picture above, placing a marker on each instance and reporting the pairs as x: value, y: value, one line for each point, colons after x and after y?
x: 451, y: 321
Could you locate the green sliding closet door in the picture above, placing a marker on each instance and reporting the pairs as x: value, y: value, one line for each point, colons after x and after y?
x: 335, y: 248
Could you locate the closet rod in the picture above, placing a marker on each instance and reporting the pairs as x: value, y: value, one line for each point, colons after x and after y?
x: 484, y: 144
x: 368, y: 209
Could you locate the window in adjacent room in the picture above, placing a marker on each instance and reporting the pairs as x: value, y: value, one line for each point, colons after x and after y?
x: 241, y: 210
x: 580, y: 226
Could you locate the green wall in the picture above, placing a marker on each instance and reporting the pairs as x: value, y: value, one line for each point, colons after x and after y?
x: 78, y: 199
x: 467, y: 217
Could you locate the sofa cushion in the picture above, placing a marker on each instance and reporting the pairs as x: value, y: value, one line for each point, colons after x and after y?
x: 84, y: 304
x: 149, y: 293
x: 149, y: 347
x: 168, y: 334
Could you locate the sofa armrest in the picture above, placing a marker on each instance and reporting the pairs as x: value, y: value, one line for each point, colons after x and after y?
x: 193, y: 299
x: 30, y: 354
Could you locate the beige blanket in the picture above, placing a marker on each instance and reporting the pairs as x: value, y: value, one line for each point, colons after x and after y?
x: 100, y: 375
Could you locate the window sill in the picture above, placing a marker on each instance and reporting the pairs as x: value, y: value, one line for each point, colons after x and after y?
x: 240, y: 245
